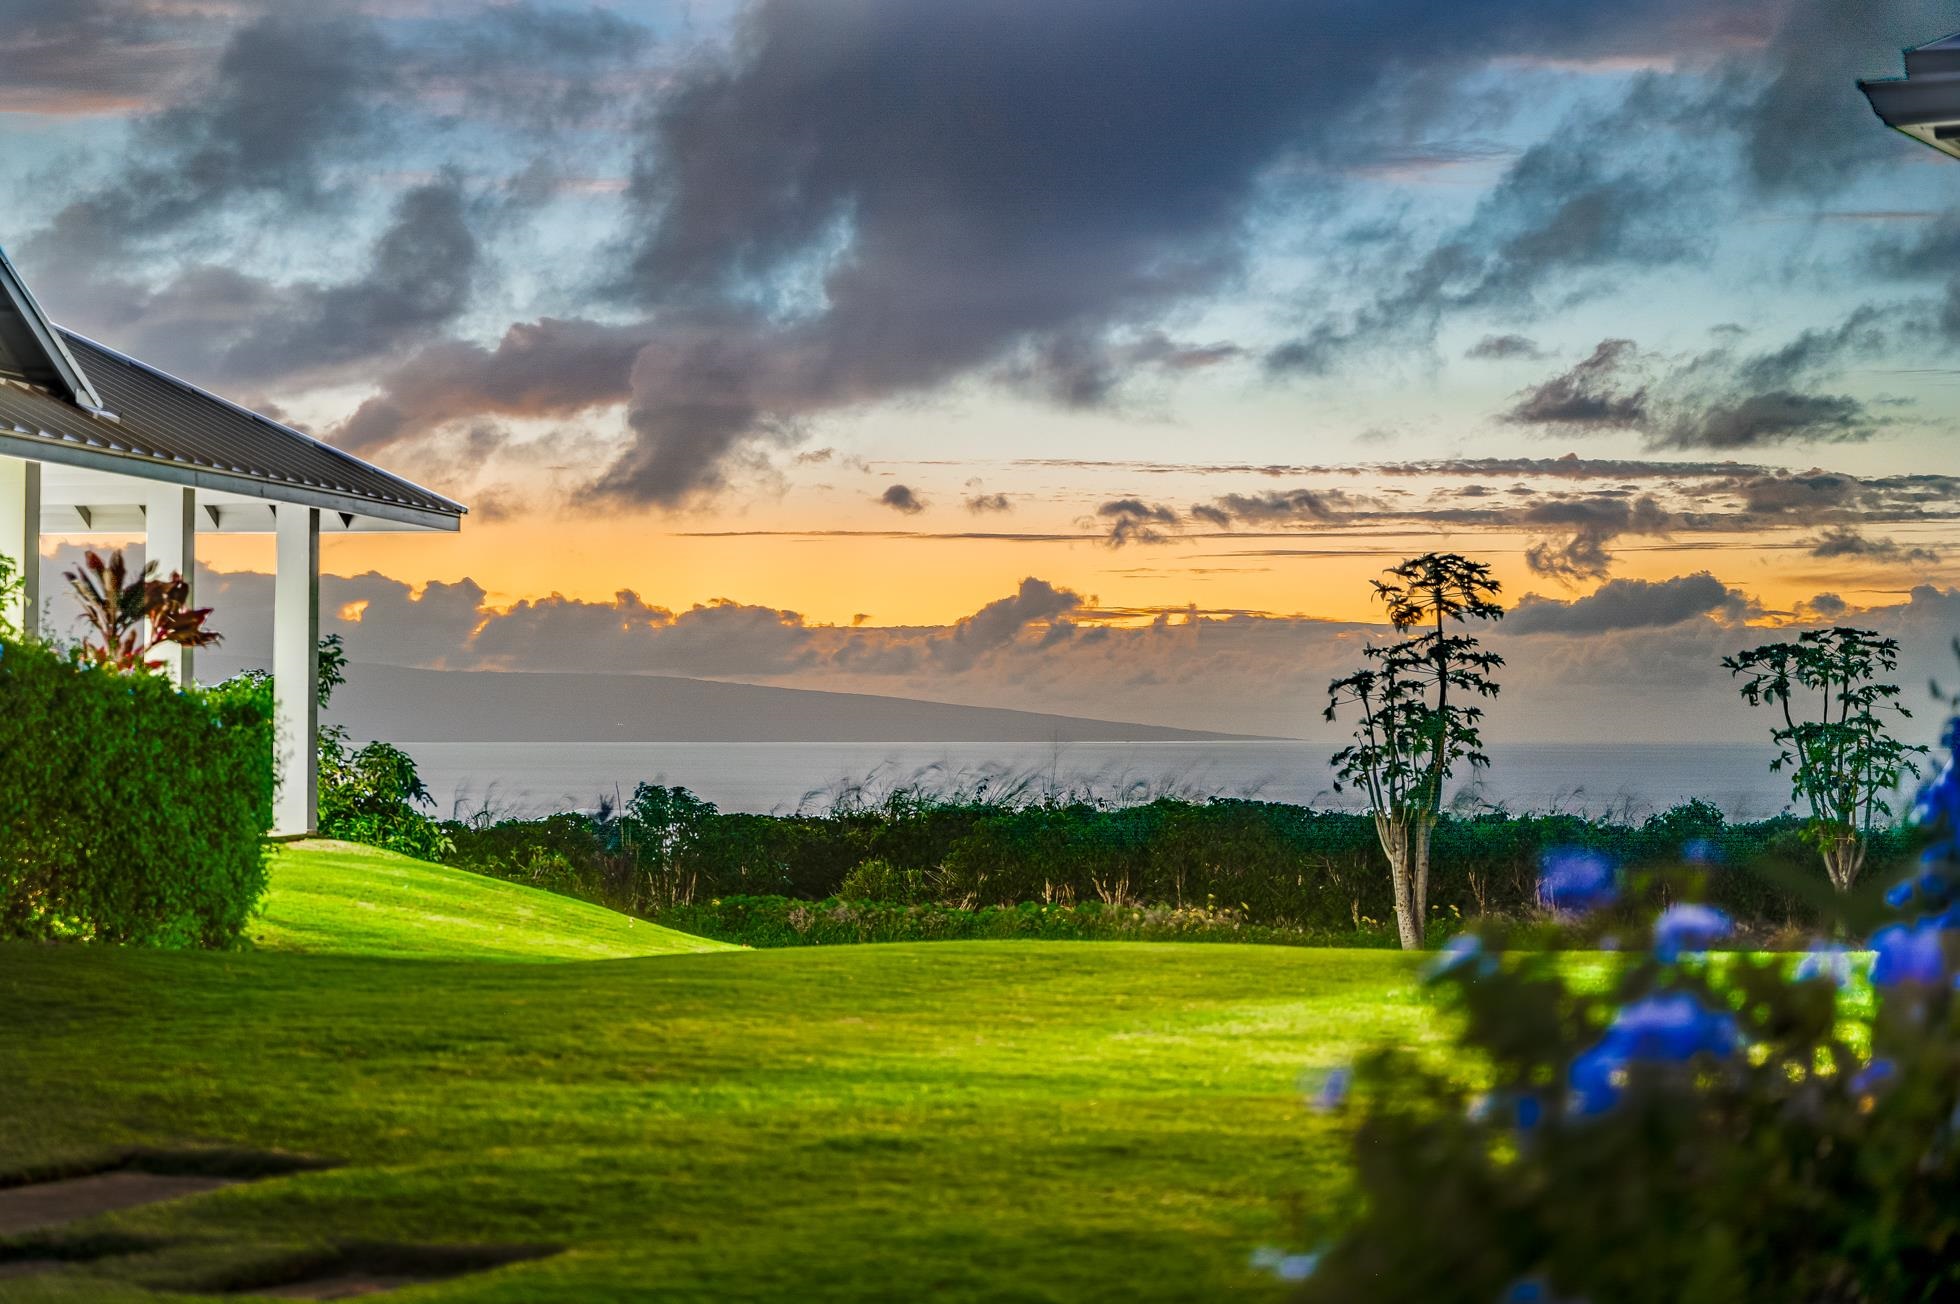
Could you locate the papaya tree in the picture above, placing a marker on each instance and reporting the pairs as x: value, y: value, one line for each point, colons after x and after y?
x: 1831, y: 692
x: 1418, y: 714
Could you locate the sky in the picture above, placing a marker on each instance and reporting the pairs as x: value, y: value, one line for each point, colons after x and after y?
x: 1088, y: 356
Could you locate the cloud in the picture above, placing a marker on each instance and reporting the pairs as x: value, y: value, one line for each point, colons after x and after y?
x: 551, y: 367
x: 1718, y: 399
x: 1586, y: 527
x: 1629, y: 604
x: 264, y: 141
x: 1596, y: 393
x: 1132, y: 520
x: 1771, y: 419
x: 1844, y: 541
x: 821, y: 225
x: 1647, y: 655
x: 900, y: 498
x: 981, y: 504
x: 1284, y: 506
x: 70, y: 57
x: 1501, y: 347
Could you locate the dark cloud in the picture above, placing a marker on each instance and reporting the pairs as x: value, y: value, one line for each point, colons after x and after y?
x: 96, y: 56
x: 1499, y: 347
x: 1286, y: 506
x: 1132, y: 520
x: 1844, y: 541
x: 981, y: 504
x: 1772, y: 419
x: 1601, y: 392
x: 547, y: 368
x: 1718, y: 399
x: 1583, y: 528
x: 298, y: 98
x: 1109, y: 182
x: 1804, y: 127
x: 1629, y: 604
x: 900, y: 498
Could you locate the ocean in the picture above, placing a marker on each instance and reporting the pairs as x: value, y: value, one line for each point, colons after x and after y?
x: 1633, y: 779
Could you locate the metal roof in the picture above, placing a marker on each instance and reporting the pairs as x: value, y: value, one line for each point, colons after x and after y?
x: 156, y: 426
x: 1925, y: 103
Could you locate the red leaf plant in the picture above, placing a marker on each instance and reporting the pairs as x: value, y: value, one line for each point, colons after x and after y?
x: 130, y: 618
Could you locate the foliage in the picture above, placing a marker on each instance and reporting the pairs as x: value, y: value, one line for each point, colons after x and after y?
x: 130, y: 810
x: 10, y: 590
x: 1418, y: 713
x: 371, y: 794
x: 774, y: 921
x: 1677, y: 1126
x: 1843, y: 764
x: 1273, y: 865
x: 878, y: 879
x: 129, y: 619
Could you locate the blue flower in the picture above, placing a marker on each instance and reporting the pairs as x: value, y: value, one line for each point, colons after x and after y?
x: 1873, y: 1076
x: 1908, y: 954
x: 1333, y: 1090
x: 1575, y: 880
x: 1826, y: 960
x: 1668, y: 1028
x: 1287, y: 1267
x: 1689, y: 928
x: 1899, y: 894
x: 1463, y: 949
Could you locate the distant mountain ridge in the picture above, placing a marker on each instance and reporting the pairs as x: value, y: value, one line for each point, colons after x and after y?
x: 409, y: 705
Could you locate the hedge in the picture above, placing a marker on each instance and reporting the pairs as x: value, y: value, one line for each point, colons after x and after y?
x: 774, y: 921
x: 1271, y: 864
x: 130, y: 811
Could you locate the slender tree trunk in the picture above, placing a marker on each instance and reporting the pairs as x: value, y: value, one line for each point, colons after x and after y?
x: 1398, y: 835
x: 1416, y: 927
x: 1844, y: 857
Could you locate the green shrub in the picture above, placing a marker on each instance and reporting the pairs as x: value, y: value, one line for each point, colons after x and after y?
x: 775, y: 921
x: 130, y: 811
x: 879, y: 880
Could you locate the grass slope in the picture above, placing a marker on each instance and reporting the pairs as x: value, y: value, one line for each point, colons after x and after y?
x: 955, y: 1121
x: 340, y: 898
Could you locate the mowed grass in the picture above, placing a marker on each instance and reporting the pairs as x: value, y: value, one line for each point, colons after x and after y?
x: 338, y: 898
x: 956, y: 1121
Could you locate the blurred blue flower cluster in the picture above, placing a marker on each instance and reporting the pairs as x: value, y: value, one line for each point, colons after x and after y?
x: 1575, y: 881
x: 1667, y: 1028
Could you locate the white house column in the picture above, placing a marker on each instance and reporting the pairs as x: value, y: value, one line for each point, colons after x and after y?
x: 295, y: 668
x: 20, y: 539
x: 170, y: 522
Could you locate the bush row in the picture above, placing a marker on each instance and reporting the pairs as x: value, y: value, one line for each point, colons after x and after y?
x: 1268, y: 863
x: 775, y: 921
x: 130, y: 811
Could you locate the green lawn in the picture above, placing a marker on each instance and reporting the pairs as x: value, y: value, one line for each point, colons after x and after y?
x: 958, y: 1121
x: 342, y: 899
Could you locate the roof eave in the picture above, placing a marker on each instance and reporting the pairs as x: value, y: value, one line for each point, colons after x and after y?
x: 53, y: 347
x: 36, y: 448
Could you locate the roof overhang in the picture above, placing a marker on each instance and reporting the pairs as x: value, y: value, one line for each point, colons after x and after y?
x: 135, y: 465
x: 1925, y: 103
x: 33, y: 344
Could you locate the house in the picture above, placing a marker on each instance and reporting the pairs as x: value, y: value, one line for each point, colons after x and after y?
x: 1925, y: 103
x: 93, y: 441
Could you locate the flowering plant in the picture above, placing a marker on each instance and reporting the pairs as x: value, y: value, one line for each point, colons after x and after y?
x: 1670, y: 1123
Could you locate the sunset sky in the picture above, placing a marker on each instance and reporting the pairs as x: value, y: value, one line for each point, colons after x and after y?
x: 1077, y: 355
